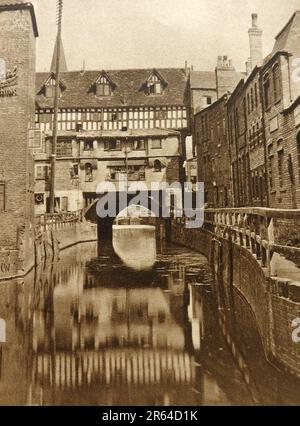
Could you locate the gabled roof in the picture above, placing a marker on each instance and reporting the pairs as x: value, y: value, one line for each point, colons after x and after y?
x: 104, y: 74
x: 203, y: 80
x: 158, y: 75
x: 127, y: 90
x: 48, y: 79
x: 289, y: 36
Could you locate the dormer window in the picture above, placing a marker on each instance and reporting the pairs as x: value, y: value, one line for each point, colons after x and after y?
x: 104, y: 86
x: 49, y: 87
x: 154, y: 85
x: 50, y: 91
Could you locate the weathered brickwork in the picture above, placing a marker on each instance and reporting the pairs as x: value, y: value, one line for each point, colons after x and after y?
x: 275, y: 302
x: 17, y: 52
x: 263, y: 128
x: 210, y: 128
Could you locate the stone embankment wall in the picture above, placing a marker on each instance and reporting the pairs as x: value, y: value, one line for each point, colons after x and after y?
x: 274, y: 300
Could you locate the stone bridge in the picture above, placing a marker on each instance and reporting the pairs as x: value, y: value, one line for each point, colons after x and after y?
x: 255, y: 252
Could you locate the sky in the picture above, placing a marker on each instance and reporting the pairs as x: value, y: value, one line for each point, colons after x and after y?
x: 114, y: 34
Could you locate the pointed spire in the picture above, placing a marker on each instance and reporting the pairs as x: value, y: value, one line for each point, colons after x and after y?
x: 62, y: 62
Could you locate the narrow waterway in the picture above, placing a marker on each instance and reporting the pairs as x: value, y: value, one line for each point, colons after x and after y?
x: 90, y: 330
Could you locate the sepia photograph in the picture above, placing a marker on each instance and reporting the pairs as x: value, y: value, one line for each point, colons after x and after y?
x: 149, y: 207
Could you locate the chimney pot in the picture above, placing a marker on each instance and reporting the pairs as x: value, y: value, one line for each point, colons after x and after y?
x: 255, y: 39
x: 254, y: 20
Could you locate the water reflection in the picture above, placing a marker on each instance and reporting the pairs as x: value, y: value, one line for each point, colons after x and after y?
x: 135, y: 245
x: 87, y: 330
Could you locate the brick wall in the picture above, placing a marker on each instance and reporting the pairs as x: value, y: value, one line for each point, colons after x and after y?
x: 274, y: 302
x: 17, y: 48
x: 213, y: 153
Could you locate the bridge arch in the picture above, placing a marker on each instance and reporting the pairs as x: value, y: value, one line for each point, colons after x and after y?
x: 153, y: 201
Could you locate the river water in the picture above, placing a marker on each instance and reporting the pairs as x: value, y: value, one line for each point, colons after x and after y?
x: 89, y: 330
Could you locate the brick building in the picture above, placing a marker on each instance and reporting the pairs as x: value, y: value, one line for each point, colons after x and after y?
x: 18, y: 31
x: 281, y: 89
x: 110, y: 124
x: 213, y: 153
x: 247, y: 143
x: 262, y: 125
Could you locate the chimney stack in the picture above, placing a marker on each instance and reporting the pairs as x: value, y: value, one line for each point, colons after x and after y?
x: 248, y: 67
x: 255, y: 39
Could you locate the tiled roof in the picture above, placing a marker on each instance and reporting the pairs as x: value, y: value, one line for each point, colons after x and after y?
x: 203, y: 80
x: 116, y: 133
x: 128, y: 89
x: 289, y: 35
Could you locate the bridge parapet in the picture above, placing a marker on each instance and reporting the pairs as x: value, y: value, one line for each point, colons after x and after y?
x: 263, y: 231
x: 57, y: 221
x: 254, y: 253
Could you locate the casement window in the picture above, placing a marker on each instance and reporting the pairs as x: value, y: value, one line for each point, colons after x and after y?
x: 252, y: 99
x: 74, y: 171
x: 154, y: 86
x: 42, y: 172
x: 50, y: 91
x: 2, y: 196
x: 139, y: 145
x: 88, y: 145
x: 156, y: 144
x: 112, y: 145
x: 88, y: 172
x: 267, y: 94
x: 113, y: 116
x: 209, y: 100
x: 64, y: 148
x: 103, y: 87
x: 64, y: 204
x: 95, y: 116
x: 256, y: 95
x: 237, y: 120
x: 276, y: 82
x: 280, y: 160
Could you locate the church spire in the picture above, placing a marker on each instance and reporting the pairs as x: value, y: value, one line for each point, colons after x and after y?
x: 62, y: 62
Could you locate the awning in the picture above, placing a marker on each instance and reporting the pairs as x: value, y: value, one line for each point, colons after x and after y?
x: 163, y: 160
x: 119, y: 163
x: 136, y: 162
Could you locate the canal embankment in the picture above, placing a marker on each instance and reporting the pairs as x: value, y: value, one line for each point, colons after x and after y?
x: 243, y: 251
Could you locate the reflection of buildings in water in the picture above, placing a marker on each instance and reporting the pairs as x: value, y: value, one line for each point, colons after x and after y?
x: 135, y: 245
x: 196, y: 316
x: 101, y: 317
x: 110, y: 336
x: 15, y: 303
x: 176, y: 280
x: 114, y: 366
